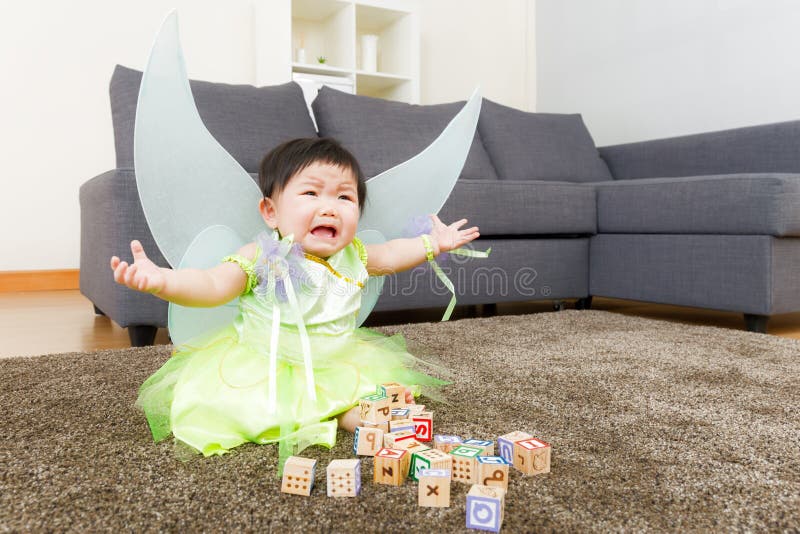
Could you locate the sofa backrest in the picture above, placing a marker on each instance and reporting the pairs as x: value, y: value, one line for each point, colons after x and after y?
x: 382, y: 134
x: 247, y: 121
x: 540, y: 146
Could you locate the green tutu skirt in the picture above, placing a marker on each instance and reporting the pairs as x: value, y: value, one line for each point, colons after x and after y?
x: 213, y: 393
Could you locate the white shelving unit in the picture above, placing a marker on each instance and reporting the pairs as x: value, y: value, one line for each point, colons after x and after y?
x: 333, y: 29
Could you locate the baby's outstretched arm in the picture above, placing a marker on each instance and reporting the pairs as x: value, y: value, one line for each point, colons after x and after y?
x: 403, y: 254
x: 187, y: 287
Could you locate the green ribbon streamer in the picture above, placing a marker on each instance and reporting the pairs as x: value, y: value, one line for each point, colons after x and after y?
x: 446, y: 281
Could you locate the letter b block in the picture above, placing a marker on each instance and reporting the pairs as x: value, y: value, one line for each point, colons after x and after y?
x: 485, y: 506
x: 390, y: 467
x: 492, y: 471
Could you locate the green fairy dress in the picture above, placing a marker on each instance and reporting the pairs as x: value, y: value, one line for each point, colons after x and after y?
x: 291, y: 360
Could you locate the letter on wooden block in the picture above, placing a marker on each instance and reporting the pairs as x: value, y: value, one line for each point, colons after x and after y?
x: 401, y: 413
x: 505, y: 444
x: 492, y: 471
x: 414, y: 446
x: 465, y: 465
x: 390, y: 467
x: 446, y: 443
x: 429, y: 459
x: 367, y: 441
x: 415, y: 409
x: 487, y: 446
x: 396, y: 440
x: 375, y: 408
x: 485, y: 506
x: 344, y: 478
x: 423, y: 424
x: 298, y: 475
x: 397, y: 425
x: 434, y: 487
x: 382, y: 426
x: 395, y: 392
x: 532, y: 456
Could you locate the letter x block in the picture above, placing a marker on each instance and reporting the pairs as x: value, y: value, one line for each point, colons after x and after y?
x: 375, y: 408
x: 423, y: 423
x: 465, y: 464
x: 487, y: 446
x: 298, y: 475
x: 391, y: 467
x: 434, y: 487
x: 493, y: 471
x: 485, y: 506
x: 505, y: 444
x: 395, y: 392
x: 367, y: 441
x: 429, y: 459
x: 344, y: 478
x: 532, y: 456
x: 446, y: 443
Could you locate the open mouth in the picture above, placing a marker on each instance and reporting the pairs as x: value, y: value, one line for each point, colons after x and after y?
x: 325, y: 232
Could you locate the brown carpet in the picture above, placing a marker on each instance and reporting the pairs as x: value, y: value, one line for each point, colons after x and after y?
x: 654, y: 426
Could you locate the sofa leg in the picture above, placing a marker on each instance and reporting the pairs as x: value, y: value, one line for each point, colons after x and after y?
x: 584, y: 303
x: 97, y: 311
x: 756, y: 323
x: 142, y: 335
x: 488, y: 310
x: 559, y: 305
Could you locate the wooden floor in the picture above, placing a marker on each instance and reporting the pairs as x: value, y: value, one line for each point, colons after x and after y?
x: 47, y: 322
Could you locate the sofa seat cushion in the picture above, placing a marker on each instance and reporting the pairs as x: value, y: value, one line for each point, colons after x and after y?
x: 540, y: 146
x: 247, y: 121
x: 382, y: 134
x: 735, y: 204
x: 526, y: 207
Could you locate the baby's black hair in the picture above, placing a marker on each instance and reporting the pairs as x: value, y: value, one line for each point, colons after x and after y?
x: 289, y: 158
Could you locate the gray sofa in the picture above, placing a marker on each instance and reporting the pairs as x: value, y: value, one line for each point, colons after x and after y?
x: 709, y: 220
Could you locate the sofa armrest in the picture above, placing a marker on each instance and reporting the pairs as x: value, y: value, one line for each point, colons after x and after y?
x: 765, y: 148
x: 111, y: 217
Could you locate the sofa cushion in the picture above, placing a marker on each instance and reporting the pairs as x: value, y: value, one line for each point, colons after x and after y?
x: 382, y: 134
x: 247, y: 121
x: 539, y: 146
x: 527, y: 207
x: 738, y: 204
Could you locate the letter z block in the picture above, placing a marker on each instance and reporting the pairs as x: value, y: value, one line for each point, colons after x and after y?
x: 298, y: 475
x: 485, y: 505
x: 390, y: 467
x: 395, y: 392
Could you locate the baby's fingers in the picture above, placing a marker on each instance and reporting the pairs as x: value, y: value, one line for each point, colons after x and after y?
x: 130, y: 275
x: 119, y: 271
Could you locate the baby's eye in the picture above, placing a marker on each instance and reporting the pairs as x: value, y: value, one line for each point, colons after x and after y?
x: 346, y: 197
x: 312, y: 193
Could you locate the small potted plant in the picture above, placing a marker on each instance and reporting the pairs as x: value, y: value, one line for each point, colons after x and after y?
x: 322, y: 60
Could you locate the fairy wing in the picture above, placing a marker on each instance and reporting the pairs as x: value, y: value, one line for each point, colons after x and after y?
x: 187, y: 181
x: 415, y: 188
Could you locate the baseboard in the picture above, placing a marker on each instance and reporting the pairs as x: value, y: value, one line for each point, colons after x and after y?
x: 39, y: 280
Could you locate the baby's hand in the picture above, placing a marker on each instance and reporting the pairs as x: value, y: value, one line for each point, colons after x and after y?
x: 143, y: 275
x: 409, y: 397
x: 445, y: 238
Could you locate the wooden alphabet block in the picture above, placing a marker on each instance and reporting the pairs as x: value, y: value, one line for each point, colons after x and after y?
x: 505, y: 444
x: 465, y: 464
x: 344, y: 478
x: 485, y: 507
x: 298, y: 475
x: 487, y: 446
x: 391, y: 467
x: 401, y: 413
x: 434, y: 487
x: 423, y: 424
x: 532, y: 456
x: 429, y: 459
x: 446, y: 443
x: 415, y: 409
x: 492, y: 471
x: 395, y: 440
x: 414, y: 446
x: 398, y: 425
x: 395, y: 392
x: 375, y: 408
x: 383, y: 426
x: 367, y: 441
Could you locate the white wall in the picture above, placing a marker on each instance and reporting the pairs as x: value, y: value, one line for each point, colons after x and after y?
x: 640, y: 69
x: 56, y: 59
